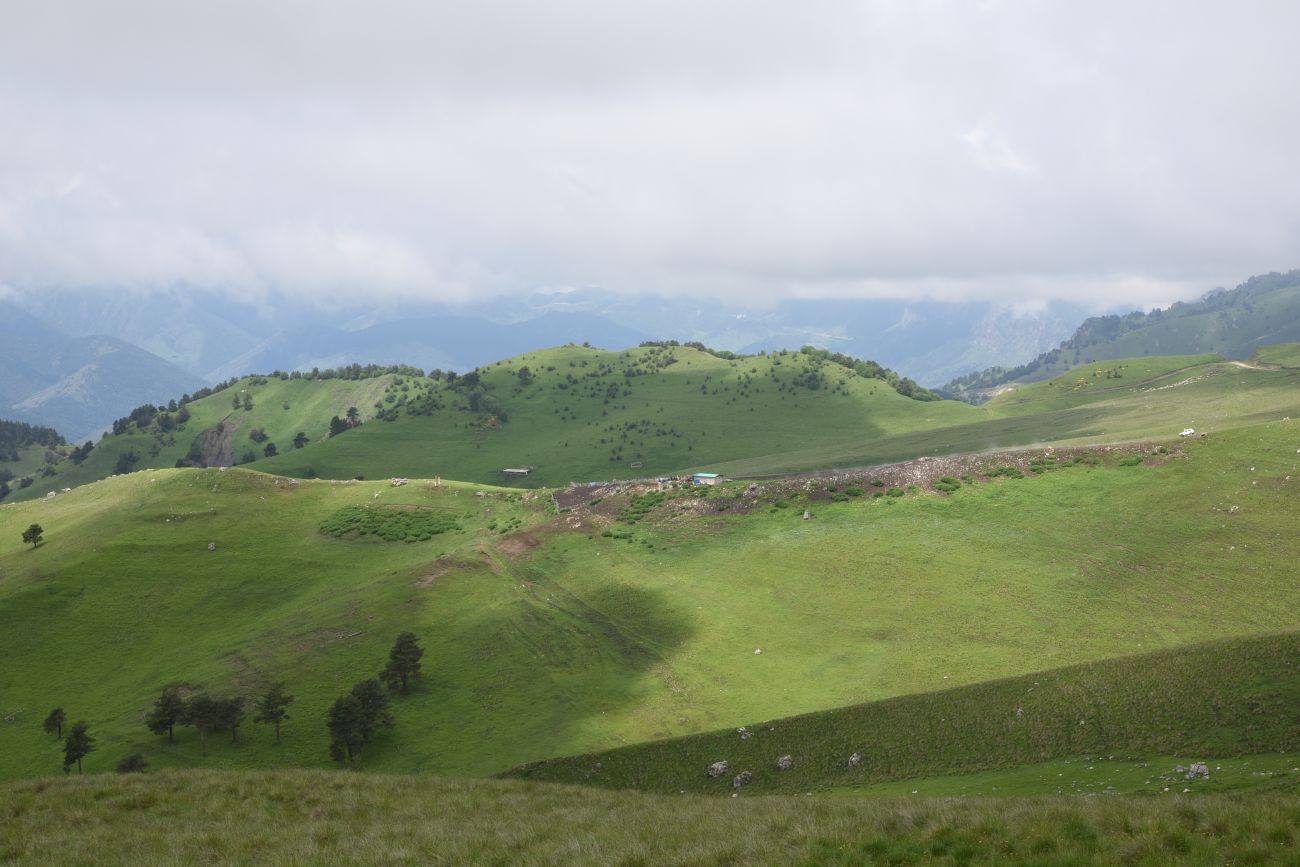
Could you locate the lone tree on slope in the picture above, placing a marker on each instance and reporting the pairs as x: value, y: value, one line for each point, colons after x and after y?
x: 54, y: 722
x: 271, y: 709
x: 403, y: 662
x: 168, y: 710
x: 300, y: 440
x: 33, y: 534
x: 78, y: 745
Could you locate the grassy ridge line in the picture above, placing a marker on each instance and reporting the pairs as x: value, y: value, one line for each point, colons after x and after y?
x: 280, y: 407
x: 314, y: 817
x: 1222, y: 698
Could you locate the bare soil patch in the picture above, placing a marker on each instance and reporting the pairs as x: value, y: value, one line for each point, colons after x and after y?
x: 519, y: 543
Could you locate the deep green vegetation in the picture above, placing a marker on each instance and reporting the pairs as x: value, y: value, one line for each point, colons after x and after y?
x: 311, y: 817
x: 1227, y: 698
x: 546, y: 637
x: 390, y: 523
x: 1263, y: 310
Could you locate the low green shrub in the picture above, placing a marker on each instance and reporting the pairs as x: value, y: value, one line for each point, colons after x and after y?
x: 389, y: 523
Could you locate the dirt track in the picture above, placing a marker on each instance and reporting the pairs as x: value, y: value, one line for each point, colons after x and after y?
x: 606, y: 499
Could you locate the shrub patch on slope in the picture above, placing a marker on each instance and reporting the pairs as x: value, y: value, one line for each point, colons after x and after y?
x: 389, y: 523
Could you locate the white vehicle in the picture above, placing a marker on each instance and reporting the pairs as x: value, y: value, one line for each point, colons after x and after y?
x: 1188, y: 432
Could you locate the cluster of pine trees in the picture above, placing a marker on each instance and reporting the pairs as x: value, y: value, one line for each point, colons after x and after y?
x: 353, y: 720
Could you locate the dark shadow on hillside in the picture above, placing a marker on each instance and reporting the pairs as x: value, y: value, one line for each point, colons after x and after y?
x: 529, y: 677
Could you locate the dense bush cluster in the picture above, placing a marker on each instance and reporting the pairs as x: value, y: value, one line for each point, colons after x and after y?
x: 389, y: 523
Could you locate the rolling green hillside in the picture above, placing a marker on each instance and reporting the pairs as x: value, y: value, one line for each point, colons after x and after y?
x: 633, y: 614
x: 1263, y: 310
x: 210, y: 430
x: 1226, y: 698
x: 311, y: 817
x: 590, y: 414
x: 1281, y: 354
x: 578, y: 413
x: 585, y: 414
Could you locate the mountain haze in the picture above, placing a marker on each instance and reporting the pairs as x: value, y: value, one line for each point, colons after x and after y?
x: 1233, y: 323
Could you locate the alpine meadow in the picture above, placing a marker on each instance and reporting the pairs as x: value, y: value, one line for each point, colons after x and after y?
x: 678, y: 434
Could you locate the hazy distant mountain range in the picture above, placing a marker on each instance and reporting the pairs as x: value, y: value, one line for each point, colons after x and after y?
x: 77, y: 384
x: 1234, y: 323
x: 66, y: 347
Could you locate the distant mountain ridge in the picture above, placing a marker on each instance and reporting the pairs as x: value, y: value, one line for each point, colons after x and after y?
x: 1265, y: 309
x: 77, y: 385
x: 216, y: 338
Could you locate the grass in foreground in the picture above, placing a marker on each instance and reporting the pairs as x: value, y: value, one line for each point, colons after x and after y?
x: 313, y: 817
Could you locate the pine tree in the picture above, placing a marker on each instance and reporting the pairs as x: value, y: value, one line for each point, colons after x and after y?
x: 271, y: 709
x: 403, y: 662
x: 78, y: 745
x: 231, y: 713
x: 374, y: 707
x: 205, y: 713
x: 168, y: 710
x: 346, y: 724
x: 54, y: 722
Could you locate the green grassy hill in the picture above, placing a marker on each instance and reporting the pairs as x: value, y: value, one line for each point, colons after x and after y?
x: 630, y: 618
x: 1263, y: 310
x: 584, y: 414
x: 212, y: 430
x: 579, y: 413
x: 1226, y: 698
x: 311, y: 817
x: 1281, y: 354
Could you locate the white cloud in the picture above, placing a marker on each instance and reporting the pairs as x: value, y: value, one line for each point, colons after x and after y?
x: 334, y: 149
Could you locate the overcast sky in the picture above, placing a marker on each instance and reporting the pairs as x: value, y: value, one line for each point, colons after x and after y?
x: 1120, y: 151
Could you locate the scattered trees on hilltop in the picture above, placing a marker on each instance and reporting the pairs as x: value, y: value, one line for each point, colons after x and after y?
x: 17, y: 434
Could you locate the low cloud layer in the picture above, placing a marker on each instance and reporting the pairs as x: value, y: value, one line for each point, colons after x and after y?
x: 1113, y: 152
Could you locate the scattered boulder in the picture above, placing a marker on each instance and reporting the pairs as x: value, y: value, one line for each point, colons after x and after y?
x: 212, y: 546
x: 784, y: 763
x: 741, y: 779
x: 1020, y: 712
x: 855, y: 760
x: 1198, y: 770
x: 745, y: 734
x: 807, y: 515
x: 717, y: 769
